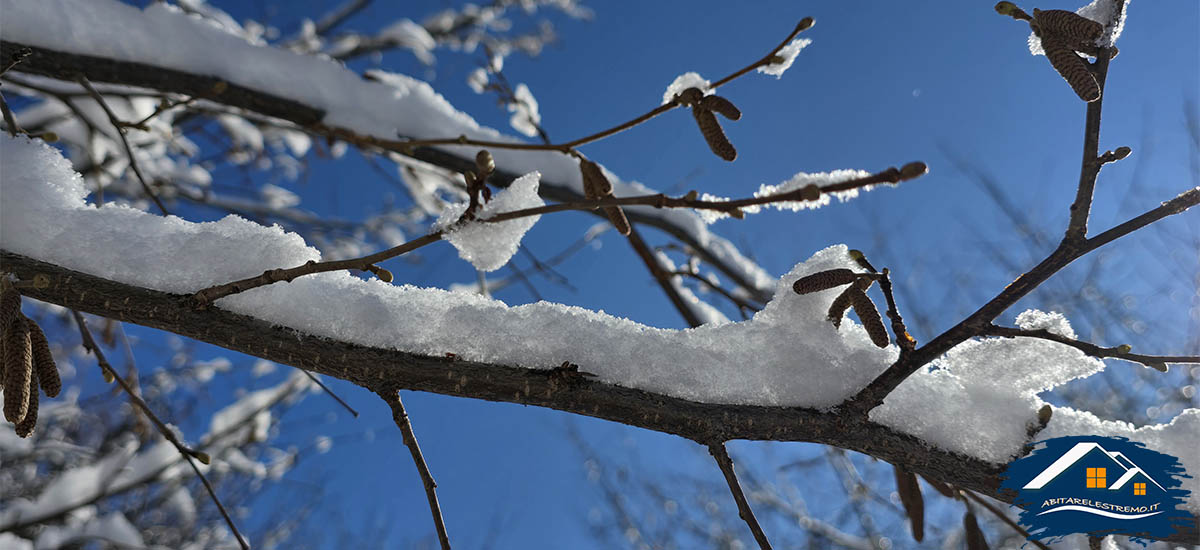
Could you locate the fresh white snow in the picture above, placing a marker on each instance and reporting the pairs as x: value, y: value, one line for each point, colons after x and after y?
x: 788, y: 54
x: 683, y: 82
x: 977, y: 399
x: 488, y: 246
x: 798, y: 181
x: 384, y: 106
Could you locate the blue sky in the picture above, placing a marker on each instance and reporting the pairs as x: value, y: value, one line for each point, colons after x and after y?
x: 948, y: 83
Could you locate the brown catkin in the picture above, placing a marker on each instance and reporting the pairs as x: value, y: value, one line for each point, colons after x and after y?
x: 10, y: 307
x: 18, y: 370
x: 26, y: 425
x: 618, y: 219
x: 43, y: 361
x: 838, y: 308
x: 1068, y: 25
x: 594, y: 180
x: 597, y: 186
x: 713, y: 134
x: 823, y: 280
x: 974, y: 536
x: 690, y: 96
x: 718, y: 104
x: 914, y: 504
x: 870, y: 318
x: 1072, y: 68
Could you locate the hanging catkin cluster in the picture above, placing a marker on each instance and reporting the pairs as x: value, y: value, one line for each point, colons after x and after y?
x: 1062, y: 34
x: 597, y: 186
x: 27, y: 364
x: 703, y: 107
x: 855, y: 296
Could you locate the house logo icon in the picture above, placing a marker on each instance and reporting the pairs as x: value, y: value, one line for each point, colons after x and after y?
x: 1099, y: 486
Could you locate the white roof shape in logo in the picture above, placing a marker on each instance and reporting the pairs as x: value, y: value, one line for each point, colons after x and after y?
x: 1130, y: 474
x: 1077, y: 452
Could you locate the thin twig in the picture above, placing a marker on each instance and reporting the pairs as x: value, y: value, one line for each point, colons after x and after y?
x: 133, y: 374
x: 903, y: 338
x: 9, y: 120
x: 1091, y: 164
x: 330, y: 392
x: 160, y: 109
x: 208, y: 295
x: 400, y: 417
x: 337, y: 16
x: 721, y: 455
x: 570, y: 145
x: 662, y: 277
x: 16, y: 59
x: 190, y: 455
x: 1157, y: 362
x: 117, y: 125
x: 659, y: 200
x: 1004, y: 518
x: 741, y: 304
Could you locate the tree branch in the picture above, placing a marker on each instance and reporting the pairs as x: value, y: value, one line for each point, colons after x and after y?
x: 1090, y: 167
x: 375, y: 367
x: 188, y: 454
x: 721, y: 455
x: 1157, y: 362
x: 975, y: 324
x: 400, y: 417
x: 119, y: 126
x: 366, y: 263
x: 662, y: 277
x: 65, y: 66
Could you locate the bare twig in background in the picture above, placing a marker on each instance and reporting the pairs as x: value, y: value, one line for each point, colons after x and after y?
x: 119, y: 127
x: 1000, y: 515
x: 663, y: 278
x: 721, y: 455
x: 10, y: 123
x: 330, y: 392
x: 803, y: 25
x: 400, y: 417
x: 189, y: 454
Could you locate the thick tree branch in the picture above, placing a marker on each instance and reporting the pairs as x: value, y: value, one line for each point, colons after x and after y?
x: 373, y: 367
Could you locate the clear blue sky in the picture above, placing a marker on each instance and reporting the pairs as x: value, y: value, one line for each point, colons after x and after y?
x: 882, y: 84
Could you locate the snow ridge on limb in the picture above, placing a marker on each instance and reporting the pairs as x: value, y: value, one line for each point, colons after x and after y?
x: 791, y: 356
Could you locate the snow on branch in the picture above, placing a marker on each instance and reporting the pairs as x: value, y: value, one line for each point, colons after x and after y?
x: 162, y: 49
x: 1000, y: 378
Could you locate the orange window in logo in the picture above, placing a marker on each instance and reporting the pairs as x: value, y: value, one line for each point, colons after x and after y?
x: 1139, y: 488
x: 1096, y: 479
